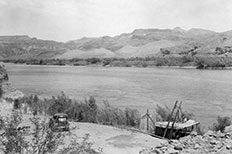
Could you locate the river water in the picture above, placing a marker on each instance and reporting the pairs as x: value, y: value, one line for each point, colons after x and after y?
x: 205, y: 93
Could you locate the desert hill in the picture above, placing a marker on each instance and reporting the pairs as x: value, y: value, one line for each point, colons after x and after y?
x: 139, y: 43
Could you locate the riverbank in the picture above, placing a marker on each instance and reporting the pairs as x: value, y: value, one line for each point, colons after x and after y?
x: 199, y: 62
x: 107, y: 66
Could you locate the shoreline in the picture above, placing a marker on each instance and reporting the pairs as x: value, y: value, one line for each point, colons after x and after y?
x: 133, y: 66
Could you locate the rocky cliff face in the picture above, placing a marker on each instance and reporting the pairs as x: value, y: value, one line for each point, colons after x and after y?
x: 8, y: 90
x: 24, y: 47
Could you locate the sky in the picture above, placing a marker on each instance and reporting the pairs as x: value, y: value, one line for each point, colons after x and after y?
x: 64, y: 20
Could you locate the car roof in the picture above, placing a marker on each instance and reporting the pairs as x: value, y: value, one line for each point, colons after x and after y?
x: 61, y: 114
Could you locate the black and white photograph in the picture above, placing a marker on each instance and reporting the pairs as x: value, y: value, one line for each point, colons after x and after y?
x: 115, y: 77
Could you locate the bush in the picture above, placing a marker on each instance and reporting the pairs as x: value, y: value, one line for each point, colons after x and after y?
x: 200, y: 130
x: 132, y: 117
x: 17, y: 104
x: 59, y: 104
x: 44, y: 139
x: 114, y: 116
x: 12, y: 140
x: 221, y: 124
x: 111, y: 116
x: 164, y: 114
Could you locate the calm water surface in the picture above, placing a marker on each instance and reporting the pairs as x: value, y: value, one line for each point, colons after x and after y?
x: 206, y: 93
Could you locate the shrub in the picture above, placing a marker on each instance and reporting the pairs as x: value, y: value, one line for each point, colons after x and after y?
x: 12, y: 140
x: 91, y: 110
x: 93, y: 60
x: 187, y: 59
x: 44, y: 139
x: 132, y: 117
x: 59, y: 104
x: 200, y: 130
x: 221, y: 124
x: 162, y: 113
x: 111, y: 116
x: 17, y: 104
x: 114, y: 116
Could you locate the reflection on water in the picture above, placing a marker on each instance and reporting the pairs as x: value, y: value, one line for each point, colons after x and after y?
x: 206, y: 93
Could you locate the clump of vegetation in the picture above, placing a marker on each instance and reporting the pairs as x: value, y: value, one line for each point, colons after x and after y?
x: 42, y: 140
x: 114, y: 116
x: 87, y: 111
x: 221, y: 124
x: 200, y: 130
x: 164, y: 114
x: 11, y: 139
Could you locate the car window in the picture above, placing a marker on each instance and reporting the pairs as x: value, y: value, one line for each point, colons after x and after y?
x: 62, y: 119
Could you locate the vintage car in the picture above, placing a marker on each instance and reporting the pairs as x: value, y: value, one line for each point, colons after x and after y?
x: 59, y: 122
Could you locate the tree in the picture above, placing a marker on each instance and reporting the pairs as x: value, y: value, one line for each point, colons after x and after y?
x: 221, y: 124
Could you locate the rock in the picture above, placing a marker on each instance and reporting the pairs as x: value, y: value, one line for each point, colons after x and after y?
x: 159, y: 146
x: 193, y: 133
x: 156, y: 151
x: 229, y: 145
x: 228, y: 129
x: 227, y: 135
x: 196, y: 146
x: 173, y: 142
x: 172, y: 151
x: 198, y: 139
x: 209, y: 133
x: 213, y: 142
x: 178, y: 147
x: 220, y: 134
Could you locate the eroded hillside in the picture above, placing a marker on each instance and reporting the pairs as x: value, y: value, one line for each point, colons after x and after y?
x: 139, y: 43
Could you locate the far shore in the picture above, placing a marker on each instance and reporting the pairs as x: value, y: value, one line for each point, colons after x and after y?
x: 108, y: 66
x: 173, y: 62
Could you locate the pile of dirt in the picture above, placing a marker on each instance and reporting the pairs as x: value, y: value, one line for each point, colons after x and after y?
x: 210, y: 143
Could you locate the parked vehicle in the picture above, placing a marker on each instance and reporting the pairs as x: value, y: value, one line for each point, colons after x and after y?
x: 59, y: 122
